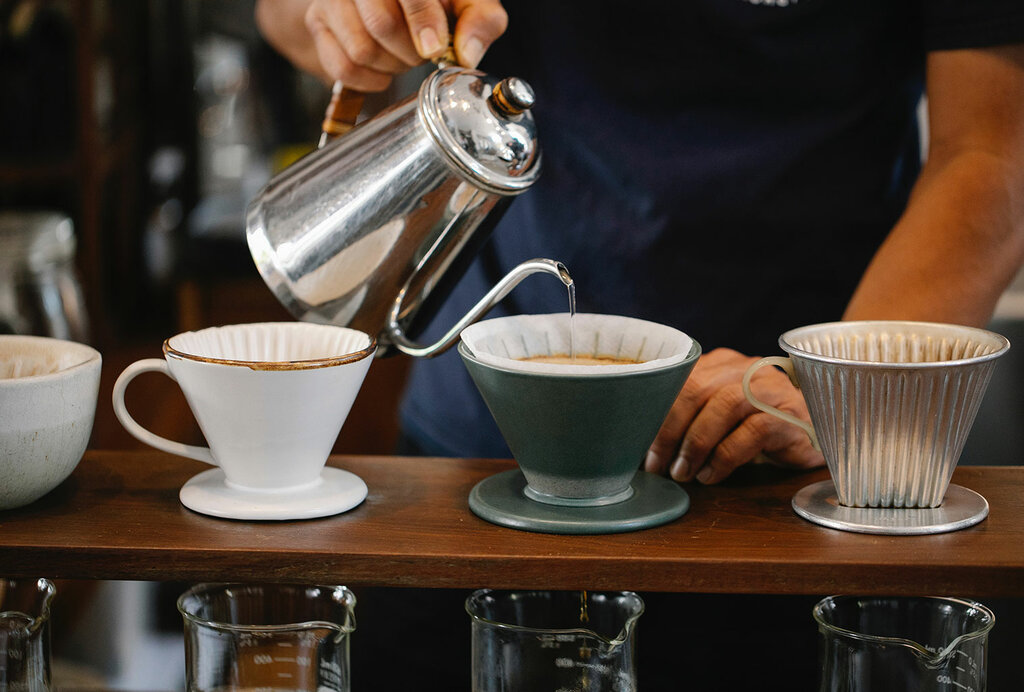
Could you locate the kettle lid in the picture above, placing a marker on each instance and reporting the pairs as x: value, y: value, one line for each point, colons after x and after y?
x: 484, y: 126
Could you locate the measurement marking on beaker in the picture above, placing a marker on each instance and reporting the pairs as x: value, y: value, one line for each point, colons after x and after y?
x: 950, y: 681
x: 253, y: 639
x: 970, y: 660
x: 284, y: 675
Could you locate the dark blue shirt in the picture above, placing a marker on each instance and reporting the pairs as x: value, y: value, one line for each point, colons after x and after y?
x: 727, y: 167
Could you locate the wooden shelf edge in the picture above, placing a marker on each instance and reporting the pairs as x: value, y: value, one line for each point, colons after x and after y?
x: 118, y: 517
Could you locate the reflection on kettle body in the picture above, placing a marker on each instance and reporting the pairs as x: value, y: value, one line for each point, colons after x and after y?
x: 373, y: 230
x: 342, y: 280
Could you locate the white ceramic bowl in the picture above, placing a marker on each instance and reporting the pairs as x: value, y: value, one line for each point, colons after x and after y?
x: 48, y: 390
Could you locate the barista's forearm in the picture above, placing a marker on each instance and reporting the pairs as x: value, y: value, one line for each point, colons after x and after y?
x: 961, y: 239
x: 955, y: 250
x: 283, y: 24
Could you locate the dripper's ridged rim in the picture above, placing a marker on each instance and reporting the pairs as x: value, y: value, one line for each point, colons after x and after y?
x: 785, y: 343
x: 279, y: 365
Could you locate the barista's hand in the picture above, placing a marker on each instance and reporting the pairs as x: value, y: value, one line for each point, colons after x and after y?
x: 363, y: 43
x: 712, y: 429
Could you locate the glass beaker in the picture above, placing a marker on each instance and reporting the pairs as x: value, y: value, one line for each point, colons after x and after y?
x: 267, y: 636
x: 545, y: 641
x: 25, y: 634
x: 924, y: 644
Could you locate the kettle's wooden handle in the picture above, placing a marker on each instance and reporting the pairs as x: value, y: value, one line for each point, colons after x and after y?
x: 345, y: 105
x: 342, y: 111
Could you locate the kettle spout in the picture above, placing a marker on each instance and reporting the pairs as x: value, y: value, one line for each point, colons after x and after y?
x: 563, y: 273
x: 493, y: 297
x: 534, y: 266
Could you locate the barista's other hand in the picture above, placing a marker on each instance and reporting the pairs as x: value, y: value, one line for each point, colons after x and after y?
x: 712, y: 429
x: 363, y: 43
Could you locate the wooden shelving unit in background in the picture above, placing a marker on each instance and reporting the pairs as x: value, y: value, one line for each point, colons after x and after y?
x: 96, y: 180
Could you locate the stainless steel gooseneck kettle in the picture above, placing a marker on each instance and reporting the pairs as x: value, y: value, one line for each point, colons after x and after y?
x: 373, y: 229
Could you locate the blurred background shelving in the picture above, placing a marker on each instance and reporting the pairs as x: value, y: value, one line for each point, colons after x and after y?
x: 149, y: 124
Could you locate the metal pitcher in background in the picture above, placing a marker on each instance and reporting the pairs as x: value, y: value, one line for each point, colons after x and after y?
x: 372, y: 230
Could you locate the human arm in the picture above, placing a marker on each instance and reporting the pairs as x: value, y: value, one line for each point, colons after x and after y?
x: 364, y: 43
x: 961, y: 240
x: 949, y: 258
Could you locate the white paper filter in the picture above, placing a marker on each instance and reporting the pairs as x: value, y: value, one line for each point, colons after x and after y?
x: 504, y: 341
x: 271, y: 342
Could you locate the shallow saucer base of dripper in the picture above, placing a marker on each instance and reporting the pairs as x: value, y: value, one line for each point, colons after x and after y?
x: 961, y: 508
x: 500, y: 499
x: 338, y: 491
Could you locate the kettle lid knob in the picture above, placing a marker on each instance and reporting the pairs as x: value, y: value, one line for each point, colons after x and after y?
x: 512, y: 96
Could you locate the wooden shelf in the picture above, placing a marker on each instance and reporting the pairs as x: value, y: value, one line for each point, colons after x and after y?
x: 118, y: 517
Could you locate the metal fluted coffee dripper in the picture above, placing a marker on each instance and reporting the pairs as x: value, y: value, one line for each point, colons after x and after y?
x: 891, y: 405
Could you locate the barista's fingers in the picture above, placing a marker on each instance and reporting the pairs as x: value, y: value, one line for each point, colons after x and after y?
x: 666, y: 444
x: 357, y: 28
x: 701, y: 384
x: 714, y: 370
x: 428, y: 26
x: 725, y: 406
x: 478, y: 24
x: 760, y: 433
x: 329, y: 29
x: 385, y: 21
x: 724, y: 410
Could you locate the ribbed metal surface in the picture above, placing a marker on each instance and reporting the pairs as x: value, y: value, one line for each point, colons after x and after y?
x: 892, y: 404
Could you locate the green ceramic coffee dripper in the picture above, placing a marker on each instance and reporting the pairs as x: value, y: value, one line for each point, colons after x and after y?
x: 578, y: 432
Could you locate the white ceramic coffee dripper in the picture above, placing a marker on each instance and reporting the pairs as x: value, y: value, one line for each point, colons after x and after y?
x: 271, y: 399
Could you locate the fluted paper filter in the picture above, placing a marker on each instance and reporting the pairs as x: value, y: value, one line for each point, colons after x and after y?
x: 892, y: 403
x: 505, y: 341
x: 270, y: 342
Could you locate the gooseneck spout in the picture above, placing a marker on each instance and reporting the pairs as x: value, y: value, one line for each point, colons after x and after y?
x: 493, y: 297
